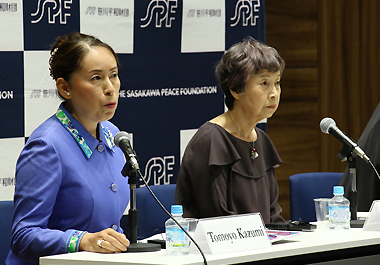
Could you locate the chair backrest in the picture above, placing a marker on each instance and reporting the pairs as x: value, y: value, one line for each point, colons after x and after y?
x: 151, y: 217
x: 305, y: 187
x: 6, y: 213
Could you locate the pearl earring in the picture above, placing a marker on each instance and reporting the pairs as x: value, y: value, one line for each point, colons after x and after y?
x: 68, y: 93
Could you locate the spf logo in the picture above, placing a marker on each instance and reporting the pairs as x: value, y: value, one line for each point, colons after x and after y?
x: 160, y: 169
x: 246, y: 11
x: 160, y: 12
x: 53, y: 10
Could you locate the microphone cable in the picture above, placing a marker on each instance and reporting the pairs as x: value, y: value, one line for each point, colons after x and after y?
x: 374, y: 168
x: 171, y: 216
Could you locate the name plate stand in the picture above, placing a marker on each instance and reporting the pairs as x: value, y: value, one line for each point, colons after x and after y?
x: 233, y: 233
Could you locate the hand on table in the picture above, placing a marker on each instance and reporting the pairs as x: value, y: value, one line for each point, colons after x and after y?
x: 105, y: 241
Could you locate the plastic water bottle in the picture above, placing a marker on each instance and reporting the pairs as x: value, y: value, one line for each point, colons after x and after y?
x: 339, y: 210
x: 177, y: 242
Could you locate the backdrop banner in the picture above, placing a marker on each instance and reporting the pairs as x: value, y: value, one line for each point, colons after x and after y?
x: 167, y: 48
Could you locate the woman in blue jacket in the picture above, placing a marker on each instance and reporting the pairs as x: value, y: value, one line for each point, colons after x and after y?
x: 70, y: 193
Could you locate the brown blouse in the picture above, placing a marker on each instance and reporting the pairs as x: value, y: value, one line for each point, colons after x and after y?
x: 218, y: 177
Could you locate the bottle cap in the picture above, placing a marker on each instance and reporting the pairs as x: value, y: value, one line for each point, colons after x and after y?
x: 338, y: 189
x: 177, y: 209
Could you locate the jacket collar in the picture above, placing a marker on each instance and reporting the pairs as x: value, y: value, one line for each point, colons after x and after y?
x: 84, y: 139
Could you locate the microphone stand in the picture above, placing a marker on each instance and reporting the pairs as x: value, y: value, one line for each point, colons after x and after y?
x: 354, y: 192
x: 132, y: 174
x: 346, y: 154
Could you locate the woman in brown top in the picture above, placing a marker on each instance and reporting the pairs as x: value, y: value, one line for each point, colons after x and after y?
x: 228, y: 166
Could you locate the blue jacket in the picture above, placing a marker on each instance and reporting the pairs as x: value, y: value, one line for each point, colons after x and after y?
x: 67, y: 183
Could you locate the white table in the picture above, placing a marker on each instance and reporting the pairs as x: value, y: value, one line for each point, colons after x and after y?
x: 321, y: 245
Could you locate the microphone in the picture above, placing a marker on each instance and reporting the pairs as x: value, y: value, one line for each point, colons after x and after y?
x: 328, y: 126
x: 122, y: 140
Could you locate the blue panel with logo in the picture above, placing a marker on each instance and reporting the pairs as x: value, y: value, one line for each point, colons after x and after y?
x: 245, y: 18
x: 11, y: 95
x: 45, y: 20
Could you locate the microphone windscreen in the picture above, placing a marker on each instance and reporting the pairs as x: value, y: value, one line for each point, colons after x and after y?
x: 326, y: 124
x: 120, y: 136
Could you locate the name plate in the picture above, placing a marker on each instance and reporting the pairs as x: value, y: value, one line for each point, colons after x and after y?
x: 231, y: 233
x: 372, y: 223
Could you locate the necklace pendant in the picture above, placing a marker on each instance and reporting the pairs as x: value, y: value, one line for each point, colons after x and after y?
x: 254, y: 154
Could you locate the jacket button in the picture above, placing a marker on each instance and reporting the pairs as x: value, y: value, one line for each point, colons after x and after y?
x: 114, y: 187
x: 100, y: 148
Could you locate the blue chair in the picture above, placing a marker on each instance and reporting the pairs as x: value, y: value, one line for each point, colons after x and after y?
x: 151, y: 217
x: 305, y: 187
x: 6, y: 213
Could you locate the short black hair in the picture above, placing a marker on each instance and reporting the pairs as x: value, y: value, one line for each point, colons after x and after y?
x: 242, y: 60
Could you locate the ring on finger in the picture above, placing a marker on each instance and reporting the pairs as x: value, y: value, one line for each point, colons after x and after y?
x: 100, y: 241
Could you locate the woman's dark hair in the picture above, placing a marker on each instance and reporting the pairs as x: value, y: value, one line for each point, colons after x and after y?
x: 242, y: 60
x: 67, y: 53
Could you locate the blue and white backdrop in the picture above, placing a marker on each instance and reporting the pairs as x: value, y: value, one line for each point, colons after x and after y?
x: 167, y: 49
